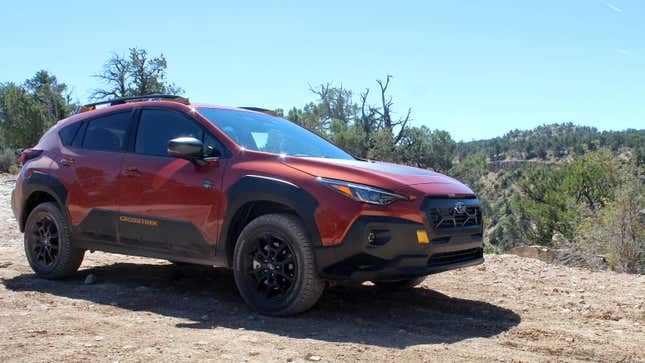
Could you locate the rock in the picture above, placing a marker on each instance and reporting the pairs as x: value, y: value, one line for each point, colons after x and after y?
x: 313, y: 358
x: 529, y: 251
x: 89, y: 279
x: 141, y: 289
x: 5, y: 264
x: 98, y: 339
x: 37, y: 331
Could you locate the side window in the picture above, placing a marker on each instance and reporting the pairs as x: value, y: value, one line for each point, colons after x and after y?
x: 68, y: 132
x: 78, y: 140
x: 212, y: 147
x: 157, y: 127
x: 107, y: 133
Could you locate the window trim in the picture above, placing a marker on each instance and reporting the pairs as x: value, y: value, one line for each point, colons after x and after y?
x: 137, y: 121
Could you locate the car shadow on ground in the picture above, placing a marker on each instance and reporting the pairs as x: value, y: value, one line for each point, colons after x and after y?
x: 207, y: 298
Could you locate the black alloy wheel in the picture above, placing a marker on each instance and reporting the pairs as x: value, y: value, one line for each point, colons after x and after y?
x: 272, y: 265
x: 44, y: 241
x: 48, y: 245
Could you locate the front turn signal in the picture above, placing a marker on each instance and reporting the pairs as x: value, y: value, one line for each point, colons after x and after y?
x: 422, y: 236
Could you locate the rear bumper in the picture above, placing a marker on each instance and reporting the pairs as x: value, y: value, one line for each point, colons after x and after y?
x: 17, y: 203
x: 395, y: 252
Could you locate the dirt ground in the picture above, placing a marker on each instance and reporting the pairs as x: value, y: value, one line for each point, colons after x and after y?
x: 509, y: 309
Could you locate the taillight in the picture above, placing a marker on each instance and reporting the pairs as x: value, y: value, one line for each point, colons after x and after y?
x: 28, y: 154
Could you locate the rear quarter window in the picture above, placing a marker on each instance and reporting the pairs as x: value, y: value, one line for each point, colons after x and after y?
x: 68, y: 133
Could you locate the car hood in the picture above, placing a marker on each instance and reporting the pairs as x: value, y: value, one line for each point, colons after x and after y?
x: 379, y: 174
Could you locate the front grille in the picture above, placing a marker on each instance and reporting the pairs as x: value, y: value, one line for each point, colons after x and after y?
x: 451, y: 217
x: 455, y: 256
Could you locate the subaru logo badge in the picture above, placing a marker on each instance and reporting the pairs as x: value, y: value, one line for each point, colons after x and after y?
x: 460, y: 208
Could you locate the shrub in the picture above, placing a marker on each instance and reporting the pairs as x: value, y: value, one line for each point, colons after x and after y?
x: 618, y: 230
x: 7, y: 160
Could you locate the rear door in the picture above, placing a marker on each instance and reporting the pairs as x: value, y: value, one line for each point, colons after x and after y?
x: 90, y: 166
x: 170, y: 205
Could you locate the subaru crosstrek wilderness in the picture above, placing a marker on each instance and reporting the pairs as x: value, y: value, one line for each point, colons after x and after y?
x: 288, y: 211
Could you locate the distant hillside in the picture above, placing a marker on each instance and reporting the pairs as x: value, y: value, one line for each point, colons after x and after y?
x: 557, y: 185
x: 557, y: 141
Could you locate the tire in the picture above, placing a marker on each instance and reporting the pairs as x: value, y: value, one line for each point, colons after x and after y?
x: 399, y: 285
x: 48, y: 246
x: 273, y: 264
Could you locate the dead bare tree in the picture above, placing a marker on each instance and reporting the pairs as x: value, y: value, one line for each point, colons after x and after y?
x: 135, y: 74
x: 367, y: 119
x: 385, y: 112
x: 115, y: 76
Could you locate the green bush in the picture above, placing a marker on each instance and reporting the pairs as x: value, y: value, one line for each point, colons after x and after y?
x: 617, y: 231
x: 7, y: 160
x: 14, y: 169
x: 489, y: 249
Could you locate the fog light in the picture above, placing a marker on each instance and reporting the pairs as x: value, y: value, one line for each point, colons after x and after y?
x: 378, y: 237
x: 371, y: 237
x: 422, y: 236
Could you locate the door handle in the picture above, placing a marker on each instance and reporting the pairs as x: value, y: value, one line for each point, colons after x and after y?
x: 132, y: 171
x: 67, y: 161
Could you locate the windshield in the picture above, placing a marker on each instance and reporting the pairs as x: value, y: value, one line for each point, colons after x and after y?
x: 257, y: 131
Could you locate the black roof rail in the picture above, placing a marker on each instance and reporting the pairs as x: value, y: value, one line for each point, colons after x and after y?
x: 262, y: 110
x: 120, y: 101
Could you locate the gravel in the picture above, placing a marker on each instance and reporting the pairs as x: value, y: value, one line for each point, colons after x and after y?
x: 509, y: 309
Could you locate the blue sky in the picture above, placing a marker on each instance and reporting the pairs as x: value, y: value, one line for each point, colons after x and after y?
x: 475, y: 68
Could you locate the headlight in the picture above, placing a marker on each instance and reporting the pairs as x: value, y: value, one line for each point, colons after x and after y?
x: 362, y: 193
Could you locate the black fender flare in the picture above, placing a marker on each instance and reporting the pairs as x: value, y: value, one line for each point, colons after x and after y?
x: 256, y: 188
x: 42, y: 182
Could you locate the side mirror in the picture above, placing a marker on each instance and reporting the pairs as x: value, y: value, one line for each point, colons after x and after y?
x: 211, y: 153
x: 188, y: 148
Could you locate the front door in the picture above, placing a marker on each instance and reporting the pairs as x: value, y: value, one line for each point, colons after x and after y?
x: 167, y: 204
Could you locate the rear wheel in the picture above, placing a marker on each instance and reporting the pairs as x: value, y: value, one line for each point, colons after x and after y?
x: 48, y: 245
x: 398, y: 285
x: 274, y: 266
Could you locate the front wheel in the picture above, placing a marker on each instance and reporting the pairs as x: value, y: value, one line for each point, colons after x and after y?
x: 48, y: 246
x: 274, y: 267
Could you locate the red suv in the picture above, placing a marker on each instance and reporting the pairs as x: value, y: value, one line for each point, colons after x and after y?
x: 287, y: 210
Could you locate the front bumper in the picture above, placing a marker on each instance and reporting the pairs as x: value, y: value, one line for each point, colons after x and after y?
x: 395, y: 253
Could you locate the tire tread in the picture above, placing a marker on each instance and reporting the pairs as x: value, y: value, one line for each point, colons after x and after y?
x: 312, y: 287
x: 71, y: 257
